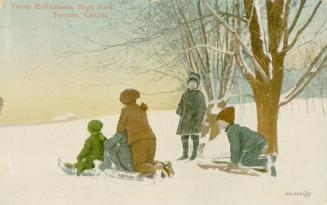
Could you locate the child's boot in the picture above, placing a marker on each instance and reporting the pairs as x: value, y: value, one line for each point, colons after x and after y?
x: 185, y: 149
x: 195, y: 139
x: 271, y: 159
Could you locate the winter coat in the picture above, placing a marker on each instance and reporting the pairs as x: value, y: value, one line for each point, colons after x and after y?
x: 242, y: 140
x: 117, y: 151
x: 191, y: 109
x: 133, y: 119
x: 93, y: 146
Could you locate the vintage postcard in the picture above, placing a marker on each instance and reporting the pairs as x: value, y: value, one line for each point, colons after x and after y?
x: 163, y: 102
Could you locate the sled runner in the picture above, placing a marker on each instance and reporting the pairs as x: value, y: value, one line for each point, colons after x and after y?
x: 220, y: 161
x: 223, y: 166
x: 124, y: 175
x: 69, y: 169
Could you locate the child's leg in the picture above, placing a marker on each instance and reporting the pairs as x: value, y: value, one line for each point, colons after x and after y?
x: 81, y: 166
x: 140, y: 151
x: 195, y: 139
x: 185, y: 145
x: 253, y: 158
x: 107, y: 163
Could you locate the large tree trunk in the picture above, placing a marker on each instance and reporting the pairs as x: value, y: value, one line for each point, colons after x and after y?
x: 267, y: 118
x: 267, y: 97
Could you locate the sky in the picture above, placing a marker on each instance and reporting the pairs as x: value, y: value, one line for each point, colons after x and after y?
x: 42, y: 77
x: 48, y: 69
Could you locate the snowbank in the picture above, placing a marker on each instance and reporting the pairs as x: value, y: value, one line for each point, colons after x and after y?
x: 29, y: 174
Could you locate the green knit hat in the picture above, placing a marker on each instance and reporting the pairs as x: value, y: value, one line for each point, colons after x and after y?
x: 94, y: 126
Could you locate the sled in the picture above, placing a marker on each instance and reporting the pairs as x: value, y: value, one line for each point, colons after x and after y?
x: 223, y: 167
x: 73, y: 172
x: 258, y: 169
x: 133, y: 176
x: 96, y: 172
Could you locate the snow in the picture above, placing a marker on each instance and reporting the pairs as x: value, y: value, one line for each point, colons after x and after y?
x: 269, y: 57
x: 262, y: 37
x: 246, y: 67
x: 67, y: 116
x: 262, y: 32
x: 280, y: 45
x: 29, y: 174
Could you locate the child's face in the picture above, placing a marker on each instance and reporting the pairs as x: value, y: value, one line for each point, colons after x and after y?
x: 192, y: 84
x: 222, y: 124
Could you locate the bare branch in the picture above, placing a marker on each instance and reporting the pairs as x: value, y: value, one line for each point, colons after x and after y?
x: 210, y: 47
x: 245, y: 69
x: 159, y: 93
x: 233, y: 15
x: 314, y: 68
x: 228, y: 80
x: 127, y: 43
x: 296, y: 18
x: 285, y: 22
x: 287, y: 46
x: 238, y: 38
x: 261, y: 28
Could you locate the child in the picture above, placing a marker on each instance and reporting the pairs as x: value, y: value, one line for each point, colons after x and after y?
x: 117, y: 152
x: 141, y: 139
x: 246, y: 146
x: 191, y: 109
x: 92, y: 149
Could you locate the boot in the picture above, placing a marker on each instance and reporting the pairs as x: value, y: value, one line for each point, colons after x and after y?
x: 168, y: 169
x: 69, y: 165
x: 200, y: 150
x: 185, y: 149
x: 271, y: 165
x: 195, y: 139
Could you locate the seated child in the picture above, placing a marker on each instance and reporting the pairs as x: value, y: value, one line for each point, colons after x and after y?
x: 246, y: 146
x: 92, y: 149
x: 117, y: 153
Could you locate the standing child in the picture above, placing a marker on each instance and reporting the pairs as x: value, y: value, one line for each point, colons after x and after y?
x: 247, y: 147
x: 191, y: 109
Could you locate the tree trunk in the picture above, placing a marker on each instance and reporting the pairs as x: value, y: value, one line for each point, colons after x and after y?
x: 267, y: 104
x: 208, y: 89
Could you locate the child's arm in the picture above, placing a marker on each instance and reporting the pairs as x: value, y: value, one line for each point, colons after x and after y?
x: 117, y: 138
x: 85, y: 150
x: 235, y: 146
x: 179, y: 110
x: 201, y: 106
x: 122, y: 123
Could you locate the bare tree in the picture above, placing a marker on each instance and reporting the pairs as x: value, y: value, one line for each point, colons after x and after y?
x: 189, y: 32
x: 214, y: 38
x: 270, y: 42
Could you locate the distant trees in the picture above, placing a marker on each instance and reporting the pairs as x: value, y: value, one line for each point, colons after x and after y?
x: 1, y: 104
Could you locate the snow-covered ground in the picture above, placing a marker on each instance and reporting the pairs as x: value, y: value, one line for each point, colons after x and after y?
x: 29, y: 172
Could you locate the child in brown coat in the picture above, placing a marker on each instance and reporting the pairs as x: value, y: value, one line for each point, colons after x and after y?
x: 134, y: 120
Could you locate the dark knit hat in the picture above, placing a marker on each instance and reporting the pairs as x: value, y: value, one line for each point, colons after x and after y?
x: 94, y: 126
x: 129, y: 96
x: 194, y: 76
x: 227, y: 115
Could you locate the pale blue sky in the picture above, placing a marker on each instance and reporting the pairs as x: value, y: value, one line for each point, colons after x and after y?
x: 37, y: 70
